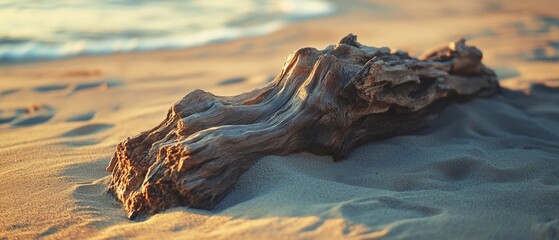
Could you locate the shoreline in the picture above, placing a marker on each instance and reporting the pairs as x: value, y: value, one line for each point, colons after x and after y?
x: 40, y: 50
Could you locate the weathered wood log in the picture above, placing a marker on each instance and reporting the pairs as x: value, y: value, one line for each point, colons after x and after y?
x: 323, y: 101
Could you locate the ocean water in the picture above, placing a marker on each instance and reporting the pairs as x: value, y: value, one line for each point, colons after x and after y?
x: 38, y: 30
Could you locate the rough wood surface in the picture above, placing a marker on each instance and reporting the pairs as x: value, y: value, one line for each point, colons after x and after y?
x: 323, y: 101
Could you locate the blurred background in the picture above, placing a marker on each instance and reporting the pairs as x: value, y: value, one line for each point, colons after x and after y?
x: 510, y: 33
x: 53, y: 29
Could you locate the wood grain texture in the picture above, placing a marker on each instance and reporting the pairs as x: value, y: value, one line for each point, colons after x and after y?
x: 325, y: 102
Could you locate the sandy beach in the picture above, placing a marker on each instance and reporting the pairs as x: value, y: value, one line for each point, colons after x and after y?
x: 484, y: 169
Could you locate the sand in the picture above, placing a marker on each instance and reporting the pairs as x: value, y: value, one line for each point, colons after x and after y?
x: 485, y: 169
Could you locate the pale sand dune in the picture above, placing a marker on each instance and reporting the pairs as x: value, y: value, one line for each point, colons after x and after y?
x: 485, y: 169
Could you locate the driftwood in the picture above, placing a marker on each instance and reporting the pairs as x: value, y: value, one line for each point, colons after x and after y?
x: 323, y: 101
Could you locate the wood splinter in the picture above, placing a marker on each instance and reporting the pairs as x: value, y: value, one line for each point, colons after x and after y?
x: 325, y: 102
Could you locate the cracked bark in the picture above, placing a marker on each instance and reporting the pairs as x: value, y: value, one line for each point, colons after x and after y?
x: 324, y: 101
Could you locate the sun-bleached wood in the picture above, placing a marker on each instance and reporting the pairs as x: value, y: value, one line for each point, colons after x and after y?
x: 324, y: 101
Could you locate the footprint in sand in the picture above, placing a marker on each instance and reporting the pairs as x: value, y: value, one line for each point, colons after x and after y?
x: 105, y: 84
x: 88, y: 130
x: 81, y: 117
x: 29, y: 116
x: 50, y: 88
x: 82, y: 143
x: 7, y: 119
x: 85, y: 131
x: 101, y: 84
x: 232, y: 81
x: 32, y: 120
x: 7, y: 92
